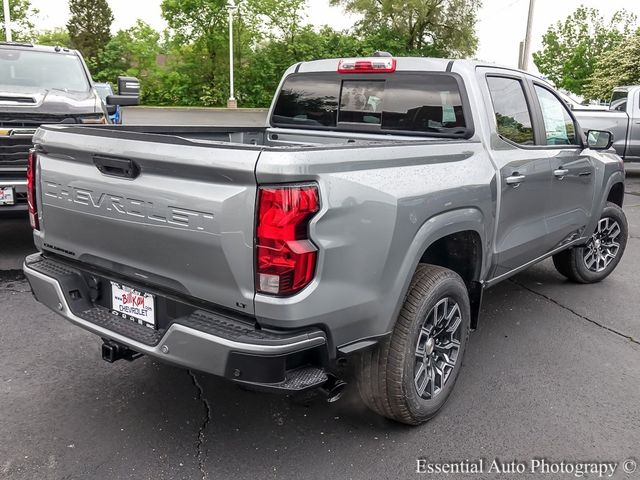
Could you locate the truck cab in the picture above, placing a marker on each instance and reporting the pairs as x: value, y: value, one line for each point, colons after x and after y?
x: 40, y: 85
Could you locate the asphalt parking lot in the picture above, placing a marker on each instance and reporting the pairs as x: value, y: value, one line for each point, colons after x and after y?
x: 553, y: 372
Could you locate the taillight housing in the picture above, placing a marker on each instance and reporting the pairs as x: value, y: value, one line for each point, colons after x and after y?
x: 285, y: 256
x: 32, y: 163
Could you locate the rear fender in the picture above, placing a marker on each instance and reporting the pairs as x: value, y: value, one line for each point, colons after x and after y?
x: 433, y: 229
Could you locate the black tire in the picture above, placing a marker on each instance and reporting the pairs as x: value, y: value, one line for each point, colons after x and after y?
x: 573, y: 263
x: 386, y: 373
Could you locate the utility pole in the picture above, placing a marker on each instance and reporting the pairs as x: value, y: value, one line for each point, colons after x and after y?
x: 7, y: 20
x: 520, y: 53
x: 527, y: 39
x: 231, y: 103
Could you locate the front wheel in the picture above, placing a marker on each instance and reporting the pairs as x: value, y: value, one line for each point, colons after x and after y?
x: 409, y: 375
x: 594, y: 261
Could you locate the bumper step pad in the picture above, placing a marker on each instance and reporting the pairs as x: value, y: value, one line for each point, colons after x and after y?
x: 303, y: 378
x: 296, y: 380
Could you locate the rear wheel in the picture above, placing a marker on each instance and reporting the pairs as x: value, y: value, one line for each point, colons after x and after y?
x: 409, y: 376
x: 595, y: 260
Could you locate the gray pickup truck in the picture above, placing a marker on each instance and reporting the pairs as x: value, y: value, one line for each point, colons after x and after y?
x: 41, y: 85
x: 622, y: 119
x: 354, y: 233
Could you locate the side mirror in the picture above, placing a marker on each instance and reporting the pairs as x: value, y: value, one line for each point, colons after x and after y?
x: 599, y: 139
x: 128, y: 92
x: 122, y: 100
x: 128, y: 86
x: 112, y: 109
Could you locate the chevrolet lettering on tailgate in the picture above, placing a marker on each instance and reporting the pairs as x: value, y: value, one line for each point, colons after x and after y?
x: 111, y: 205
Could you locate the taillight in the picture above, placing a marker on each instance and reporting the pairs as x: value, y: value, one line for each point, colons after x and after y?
x: 32, y: 162
x: 285, y: 256
x: 367, y: 65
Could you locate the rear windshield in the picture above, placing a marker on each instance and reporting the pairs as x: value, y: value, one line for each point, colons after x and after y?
x: 411, y: 102
x: 42, y: 70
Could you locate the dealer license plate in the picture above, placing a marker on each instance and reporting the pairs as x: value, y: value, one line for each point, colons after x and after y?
x: 133, y: 305
x: 6, y: 196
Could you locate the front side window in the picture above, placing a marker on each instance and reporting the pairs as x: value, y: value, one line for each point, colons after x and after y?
x: 513, y: 117
x: 558, y: 124
x: 104, y: 90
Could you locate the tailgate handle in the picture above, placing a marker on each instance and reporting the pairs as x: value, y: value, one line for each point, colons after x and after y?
x: 117, y: 167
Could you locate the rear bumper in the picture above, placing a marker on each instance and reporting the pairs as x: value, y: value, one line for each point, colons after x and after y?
x: 202, y: 340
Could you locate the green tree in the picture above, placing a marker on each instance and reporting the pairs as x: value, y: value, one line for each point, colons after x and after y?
x: 199, y: 45
x: 89, y: 26
x: 619, y: 66
x: 417, y: 27
x: 55, y: 37
x: 199, y: 49
x: 21, y: 13
x: 571, y: 48
x: 132, y: 52
x: 259, y: 76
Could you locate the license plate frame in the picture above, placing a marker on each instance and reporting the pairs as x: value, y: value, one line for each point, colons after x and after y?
x: 133, y: 304
x: 7, y: 196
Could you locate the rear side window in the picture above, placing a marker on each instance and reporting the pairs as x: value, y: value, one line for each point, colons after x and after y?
x: 513, y: 117
x: 428, y: 103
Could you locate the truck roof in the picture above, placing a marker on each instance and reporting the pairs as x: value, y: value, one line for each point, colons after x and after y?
x: 36, y: 48
x: 411, y: 64
x: 625, y: 88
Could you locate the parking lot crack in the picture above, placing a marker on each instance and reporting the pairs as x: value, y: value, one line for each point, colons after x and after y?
x: 203, y: 426
x: 12, y: 290
x: 569, y: 309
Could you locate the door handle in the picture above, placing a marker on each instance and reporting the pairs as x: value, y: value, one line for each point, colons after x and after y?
x: 560, y: 173
x: 515, y: 180
x: 117, y: 167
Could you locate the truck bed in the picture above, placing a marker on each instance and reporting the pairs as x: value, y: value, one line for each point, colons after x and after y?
x: 264, y: 137
x: 610, y: 120
x: 183, y: 218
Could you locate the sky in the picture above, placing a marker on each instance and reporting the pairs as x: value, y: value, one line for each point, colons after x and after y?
x: 500, y: 28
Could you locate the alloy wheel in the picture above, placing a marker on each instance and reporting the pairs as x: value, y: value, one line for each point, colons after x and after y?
x: 603, y: 246
x: 438, y: 348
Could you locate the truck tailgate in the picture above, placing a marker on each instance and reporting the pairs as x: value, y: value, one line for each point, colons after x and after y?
x: 184, y: 223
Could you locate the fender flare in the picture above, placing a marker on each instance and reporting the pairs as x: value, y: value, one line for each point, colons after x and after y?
x: 435, y: 228
x: 616, y: 177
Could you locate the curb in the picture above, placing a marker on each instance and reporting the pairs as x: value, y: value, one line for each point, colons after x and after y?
x: 206, y: 109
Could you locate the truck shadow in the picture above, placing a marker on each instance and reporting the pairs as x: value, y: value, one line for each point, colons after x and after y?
x: 16, y: 241
x: 344, y: 438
